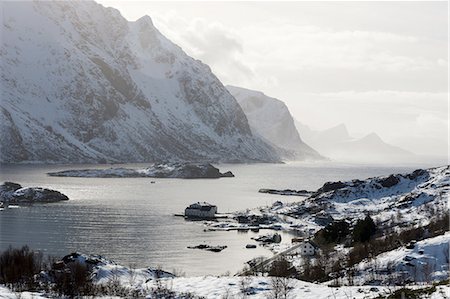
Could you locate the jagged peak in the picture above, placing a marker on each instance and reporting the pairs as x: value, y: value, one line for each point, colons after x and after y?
x: 145, y: 21
x: 236, y: 90
x: 373, y: 137
x: 340, y: 129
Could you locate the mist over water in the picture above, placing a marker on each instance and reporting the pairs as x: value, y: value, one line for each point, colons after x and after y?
x: 131, y: 220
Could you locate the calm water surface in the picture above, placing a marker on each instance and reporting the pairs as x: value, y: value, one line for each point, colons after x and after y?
x: 131, y: 221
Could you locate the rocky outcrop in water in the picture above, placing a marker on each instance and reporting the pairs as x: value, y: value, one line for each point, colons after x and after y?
x: 217, y: 248
x: 289, y: 192
x: 13, y: 193
x: 166, y: 170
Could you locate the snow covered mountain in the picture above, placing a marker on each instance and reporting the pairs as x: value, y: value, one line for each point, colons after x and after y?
x: 79, y: 83
x: 337, y: 144
x: 270, y: 118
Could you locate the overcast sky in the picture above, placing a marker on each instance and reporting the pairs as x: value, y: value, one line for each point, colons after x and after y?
x: 375, y: 66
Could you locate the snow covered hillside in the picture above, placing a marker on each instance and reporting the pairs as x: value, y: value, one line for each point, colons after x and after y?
x: 427, y: 261
x: 79, y: 83
x: 271, y: 119
x: 395, y: 200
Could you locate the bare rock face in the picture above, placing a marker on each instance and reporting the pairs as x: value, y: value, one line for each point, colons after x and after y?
x: 82, y: 84
x: 13, y: 193
x: 270, y: 118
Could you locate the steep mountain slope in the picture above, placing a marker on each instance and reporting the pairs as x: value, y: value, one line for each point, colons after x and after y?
x: 337, y: 144
x: 82, y: 84
x: 271, y: 119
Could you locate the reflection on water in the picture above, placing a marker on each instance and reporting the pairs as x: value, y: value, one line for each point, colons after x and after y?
x: 131, y: 221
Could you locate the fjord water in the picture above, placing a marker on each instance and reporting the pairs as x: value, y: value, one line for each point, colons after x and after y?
x: 131, y: 220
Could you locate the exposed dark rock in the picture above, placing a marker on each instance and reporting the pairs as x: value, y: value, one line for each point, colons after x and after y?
x: 417, y: 173
x: 208, y: 247
x: 331, y: 186
x: 9, y: 187
x: 256, y: 220
x: 322, y: 218
x: 227, y: 174
x: 275, y: 238
x: 390, y: 181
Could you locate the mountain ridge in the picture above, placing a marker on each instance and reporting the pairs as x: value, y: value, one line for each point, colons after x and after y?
x: 271, y: 119
x: 97, y: 88
x: 337, y: 144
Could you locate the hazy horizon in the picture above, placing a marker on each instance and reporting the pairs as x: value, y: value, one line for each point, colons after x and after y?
x: 375, y: 66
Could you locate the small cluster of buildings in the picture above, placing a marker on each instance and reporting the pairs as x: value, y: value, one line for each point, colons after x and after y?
x: 204, y: 210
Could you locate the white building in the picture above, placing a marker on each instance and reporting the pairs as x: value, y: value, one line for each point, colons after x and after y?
x: 307, y: 248
x: 201, y: 210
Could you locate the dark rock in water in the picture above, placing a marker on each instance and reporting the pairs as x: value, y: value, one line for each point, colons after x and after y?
x: 166, y: 170
x: 13, y: 193
x: 390, y: 181
x: 208, y: 247
x: 288, y: 192
x: 227, y: 174
x: 275, y: 238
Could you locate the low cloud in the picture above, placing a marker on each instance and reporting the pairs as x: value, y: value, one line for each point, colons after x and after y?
x: 211, y: 42
x: 377, y: 72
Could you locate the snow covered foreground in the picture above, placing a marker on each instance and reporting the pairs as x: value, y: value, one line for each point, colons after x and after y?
x: 229, y: 287
x: 145, y: 280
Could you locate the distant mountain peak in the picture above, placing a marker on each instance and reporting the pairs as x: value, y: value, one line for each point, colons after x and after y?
x: 145, y: 20
x: 372, y: 137
x: 341, y: 129
x: 271, y: 119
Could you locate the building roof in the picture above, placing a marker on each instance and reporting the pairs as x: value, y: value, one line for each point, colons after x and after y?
x: 200, y: 205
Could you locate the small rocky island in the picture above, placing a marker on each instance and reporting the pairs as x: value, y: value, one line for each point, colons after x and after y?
x: 289, y: 192
x: 163, y: 170
x: 206, y: 247
x: 13, y: 193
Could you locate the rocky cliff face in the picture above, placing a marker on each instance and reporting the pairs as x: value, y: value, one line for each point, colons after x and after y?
x: 270, y: 118
x: 82, y: 84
